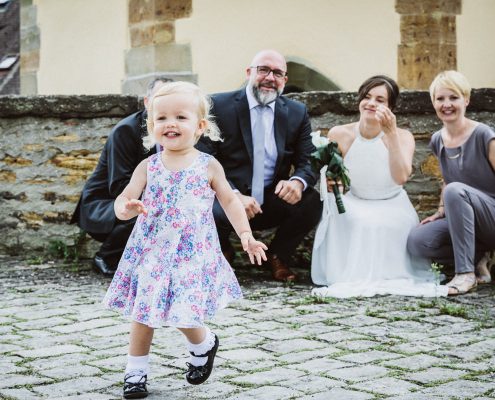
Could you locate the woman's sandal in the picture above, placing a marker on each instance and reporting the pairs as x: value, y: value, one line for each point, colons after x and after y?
x: 484, y: 267
x: 462, y: 284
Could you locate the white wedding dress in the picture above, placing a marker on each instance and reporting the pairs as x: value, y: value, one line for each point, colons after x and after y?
x: 362, y: 252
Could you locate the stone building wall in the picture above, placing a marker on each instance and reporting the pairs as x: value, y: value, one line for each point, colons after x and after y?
x: 9, y: 45
x: 51, y: 144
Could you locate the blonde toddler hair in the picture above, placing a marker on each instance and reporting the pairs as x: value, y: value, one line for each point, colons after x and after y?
x: 452, y: 80
x: 204, y: 110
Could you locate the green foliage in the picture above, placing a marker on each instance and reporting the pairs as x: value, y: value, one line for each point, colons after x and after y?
x: 437, y: 270
x: 38, y: 260
x: 59, y: 249
x: 372, y: 313
x: 330, y: 155
x: 453, y: 310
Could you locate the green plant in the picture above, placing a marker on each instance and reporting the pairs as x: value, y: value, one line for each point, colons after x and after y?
x: 453, y: 310
x: 59, y: 249
x: 437, y: 270
x: 36, y: 260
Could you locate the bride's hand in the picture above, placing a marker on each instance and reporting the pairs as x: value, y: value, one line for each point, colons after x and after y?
x: 387, y: 120
x: 331, y: 183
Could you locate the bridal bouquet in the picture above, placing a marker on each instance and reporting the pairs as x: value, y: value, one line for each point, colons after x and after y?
x: 328, y: 154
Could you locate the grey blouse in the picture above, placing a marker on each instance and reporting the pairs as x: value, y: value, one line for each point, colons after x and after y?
x: 467, y: 163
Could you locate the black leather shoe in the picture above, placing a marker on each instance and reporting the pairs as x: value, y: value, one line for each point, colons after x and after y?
x: 197, y: 375
x: 103, y: 267
x: 135, y: 390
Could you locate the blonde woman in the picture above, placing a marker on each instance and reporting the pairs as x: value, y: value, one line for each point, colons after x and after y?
x: 463, y: 227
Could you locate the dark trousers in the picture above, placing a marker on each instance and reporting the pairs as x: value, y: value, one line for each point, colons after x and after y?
x: 293, y: 221
x: 114, y: 242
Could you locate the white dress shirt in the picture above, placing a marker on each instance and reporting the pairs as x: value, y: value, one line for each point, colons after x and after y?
x: 270, y: 144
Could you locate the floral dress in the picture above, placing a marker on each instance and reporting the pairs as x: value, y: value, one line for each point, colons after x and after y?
x: 173, y: 271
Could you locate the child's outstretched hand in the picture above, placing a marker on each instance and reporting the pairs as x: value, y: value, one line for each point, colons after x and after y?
x: 254, y: 248
x: 132, y: 207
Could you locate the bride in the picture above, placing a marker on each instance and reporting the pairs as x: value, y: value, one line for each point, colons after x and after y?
x: 362, y: 252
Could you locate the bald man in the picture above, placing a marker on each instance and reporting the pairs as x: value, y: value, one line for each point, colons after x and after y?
x: 265, y: 154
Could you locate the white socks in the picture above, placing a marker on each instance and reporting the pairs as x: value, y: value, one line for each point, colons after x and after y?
x: 138, y: 366
x: 201, y: 348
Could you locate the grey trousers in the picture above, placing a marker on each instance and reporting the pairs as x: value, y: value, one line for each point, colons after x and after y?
x: 464, y: 235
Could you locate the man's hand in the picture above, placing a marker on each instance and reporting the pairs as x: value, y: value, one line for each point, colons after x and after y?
x: 251, y: 206
x: 290, y: 191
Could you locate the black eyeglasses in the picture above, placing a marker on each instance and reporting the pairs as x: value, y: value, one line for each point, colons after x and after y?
x: 263, y: 70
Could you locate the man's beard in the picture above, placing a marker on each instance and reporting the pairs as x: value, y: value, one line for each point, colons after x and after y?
x: 264, y: 97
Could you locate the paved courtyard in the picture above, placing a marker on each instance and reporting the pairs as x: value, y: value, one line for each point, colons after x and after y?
x: 57, y: 342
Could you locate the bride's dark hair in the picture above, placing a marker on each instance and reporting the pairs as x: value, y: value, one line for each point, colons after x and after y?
x: 380, y: 80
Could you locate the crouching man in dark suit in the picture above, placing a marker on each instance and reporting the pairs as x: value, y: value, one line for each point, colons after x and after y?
x: 94, y: 213
x: 265, y: 153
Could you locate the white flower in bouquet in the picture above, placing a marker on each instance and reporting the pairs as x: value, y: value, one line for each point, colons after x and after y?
x: 318, y: 140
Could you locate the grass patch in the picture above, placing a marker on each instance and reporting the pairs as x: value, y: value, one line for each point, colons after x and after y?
x: 453, y: 310
x: 373, y: 313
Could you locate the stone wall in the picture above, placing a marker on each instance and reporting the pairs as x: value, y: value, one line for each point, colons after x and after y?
x: 51, y: 144
x: 9, y: 45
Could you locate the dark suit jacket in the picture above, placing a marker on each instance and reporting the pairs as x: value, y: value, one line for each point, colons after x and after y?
x: 235, y: 153
x: 122, y: 153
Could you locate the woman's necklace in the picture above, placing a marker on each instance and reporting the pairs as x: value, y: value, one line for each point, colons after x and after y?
x: 455, y: 155
x: 462, y: 139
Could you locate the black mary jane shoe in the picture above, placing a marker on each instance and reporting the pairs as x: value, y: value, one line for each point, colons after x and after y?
x: 135, y: 390
x: 197, y: 375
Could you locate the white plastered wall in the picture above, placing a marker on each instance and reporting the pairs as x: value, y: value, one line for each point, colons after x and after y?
x: 83, y: 42
x: 347, y: 41
x: 82, y: 46
x: 475, y: 42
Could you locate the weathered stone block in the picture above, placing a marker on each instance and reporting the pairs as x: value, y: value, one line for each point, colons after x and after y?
x: 431, y: 167
x: 53, y: 197
x: 428, y: 6
x: 69, y: 106
x: 30, y: 39
x: 33, y: 147
x: 161, y: 57
x: 28, y: 15
x: 38, y: 181
x: 7, y: 176
x: 152, y: 33
x: 173, y: 9
x: 428, y: 29
x: 419, y: 64
x: 75, y: 163
x: 32, y: 220
x: 16, y: 161
x: 76, y: 177
x: 65, y: 138
x: 29, y: 82
x: 30, y: 61
x: 140, y: 10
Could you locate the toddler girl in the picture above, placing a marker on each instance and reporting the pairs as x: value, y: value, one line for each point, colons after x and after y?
x: 172, y: 272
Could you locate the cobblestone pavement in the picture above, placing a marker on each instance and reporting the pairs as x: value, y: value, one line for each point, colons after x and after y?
x: 56, y: 341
